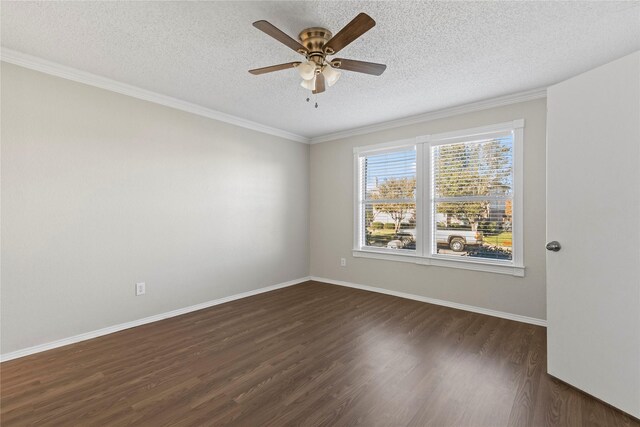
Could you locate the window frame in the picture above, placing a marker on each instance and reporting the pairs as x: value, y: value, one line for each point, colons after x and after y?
x: 390, y: 147
x: 423, y: 254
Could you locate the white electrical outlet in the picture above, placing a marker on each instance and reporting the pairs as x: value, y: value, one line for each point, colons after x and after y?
x: 343, y: 262
x: 141, y: 288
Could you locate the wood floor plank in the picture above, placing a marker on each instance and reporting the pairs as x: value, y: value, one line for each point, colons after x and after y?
x: 312, y: 354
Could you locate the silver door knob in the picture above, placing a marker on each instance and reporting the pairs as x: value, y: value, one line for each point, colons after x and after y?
x: 553, y: 246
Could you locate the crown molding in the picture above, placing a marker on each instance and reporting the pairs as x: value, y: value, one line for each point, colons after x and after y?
x: 438, y: 114
x: 69, y: 73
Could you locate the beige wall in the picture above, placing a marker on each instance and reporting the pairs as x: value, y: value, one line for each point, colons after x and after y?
x: 332, y: 221
x: 100, y: 191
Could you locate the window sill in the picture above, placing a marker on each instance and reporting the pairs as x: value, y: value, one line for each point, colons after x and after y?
x: 490, y: 267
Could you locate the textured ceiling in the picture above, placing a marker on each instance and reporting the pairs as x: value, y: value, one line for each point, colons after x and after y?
x: 439, y: 54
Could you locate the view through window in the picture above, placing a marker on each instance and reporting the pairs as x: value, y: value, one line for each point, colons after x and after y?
x: 389, y: 202
x: 451, y: 199
x: 472, y: 201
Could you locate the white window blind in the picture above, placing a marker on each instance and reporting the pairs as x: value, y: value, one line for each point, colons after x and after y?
x: 388, y: 199
x: 472, y: 198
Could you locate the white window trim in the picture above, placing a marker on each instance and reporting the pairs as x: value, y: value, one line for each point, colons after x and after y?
x: 422, y: 254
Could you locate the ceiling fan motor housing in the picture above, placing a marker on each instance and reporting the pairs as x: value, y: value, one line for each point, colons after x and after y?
x: 314, y: 39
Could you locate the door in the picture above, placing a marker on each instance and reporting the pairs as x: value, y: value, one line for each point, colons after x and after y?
x: 593, y: 212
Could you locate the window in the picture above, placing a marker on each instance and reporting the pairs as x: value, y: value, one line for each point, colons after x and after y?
x: 388, y: 202
x: 473, y: 198
x: 451, y: 200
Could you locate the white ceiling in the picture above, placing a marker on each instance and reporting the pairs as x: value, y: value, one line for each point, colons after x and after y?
x: 439, y: 54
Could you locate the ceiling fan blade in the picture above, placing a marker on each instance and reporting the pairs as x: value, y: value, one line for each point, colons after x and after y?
x: 282, y: 37
x: 358, y: 66
x: 354, y: 29
x: 320, y: 87
x: 273, y: 68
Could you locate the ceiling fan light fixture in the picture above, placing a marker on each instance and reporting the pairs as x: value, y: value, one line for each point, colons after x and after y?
x: 309, y: 84
x: 331, y: 75
x: 307, y: 70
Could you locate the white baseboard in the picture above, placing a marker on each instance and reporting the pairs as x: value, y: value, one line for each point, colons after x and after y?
x: 111, y: 329
x: 480, y: 310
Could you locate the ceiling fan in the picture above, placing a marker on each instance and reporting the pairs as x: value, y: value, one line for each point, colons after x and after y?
x: 316, y: 43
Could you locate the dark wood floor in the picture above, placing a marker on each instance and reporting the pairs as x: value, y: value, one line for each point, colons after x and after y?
x: 311, y: 354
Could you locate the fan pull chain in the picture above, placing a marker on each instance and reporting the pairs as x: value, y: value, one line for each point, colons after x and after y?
x: 315, y: 100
